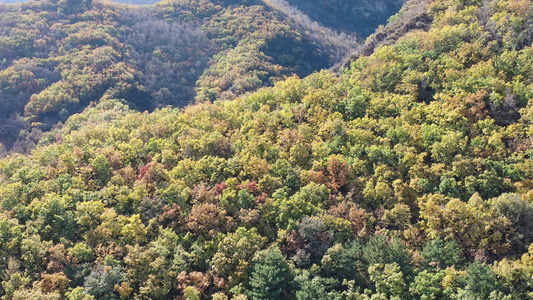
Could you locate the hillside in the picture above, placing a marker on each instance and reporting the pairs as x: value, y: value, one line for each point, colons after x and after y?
x: 361, y: 16
x: 406, y: 176
x: 58, y: 57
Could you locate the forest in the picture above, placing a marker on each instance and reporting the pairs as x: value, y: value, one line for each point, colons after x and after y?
x: 58, y: 57
x: 406, y: 174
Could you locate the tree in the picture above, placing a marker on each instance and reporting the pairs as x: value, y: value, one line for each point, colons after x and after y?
x: 208, y: 220
x: 481, y: 280
x: 235, y: 252
x: 440, y: 254
x: 427, y: 285
x: 74, y: 6
x: 388, y: 280
x: 315, y: 238
x: 54, y: 217
x: 78, y: 294
x: 133, y: 231
x: 520, y: 213
x: 306, y: 202
x: 311, y: 288
x: 102, y: 280
x: 475, y: 225
x: 379, y: 251
x: 344, y: 263
x: 14, y: 283
x: 271, y: 277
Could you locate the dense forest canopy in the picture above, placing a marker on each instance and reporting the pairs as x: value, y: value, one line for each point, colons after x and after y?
x: 57, y: 57
x: 360, y: 16
x: 409, y: 175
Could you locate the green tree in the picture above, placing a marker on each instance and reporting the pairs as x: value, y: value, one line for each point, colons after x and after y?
x: 379, y: 251
x: 440, y: 254
x: 311, y: 288
x: 74, y: 6
x: 481, y: 280
x: 520, y: 213
x: 427, y: 285
x: 271, y: 277
x: 102, y: 280
x: 344, y: 262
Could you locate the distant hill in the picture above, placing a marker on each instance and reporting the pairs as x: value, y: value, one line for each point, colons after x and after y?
x: 137, y: 2
x: 361, y: 16
x: 59, y: 56
x: 118, y: 1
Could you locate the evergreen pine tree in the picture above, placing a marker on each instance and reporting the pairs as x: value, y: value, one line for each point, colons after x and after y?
x: 271, y: 277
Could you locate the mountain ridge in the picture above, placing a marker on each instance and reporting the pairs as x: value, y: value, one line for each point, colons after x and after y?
x: 149, y: 72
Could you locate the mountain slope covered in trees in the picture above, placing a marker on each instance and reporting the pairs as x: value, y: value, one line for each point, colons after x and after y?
x: 59, y: 56
x: 408, y: 176
x: 360, y: 16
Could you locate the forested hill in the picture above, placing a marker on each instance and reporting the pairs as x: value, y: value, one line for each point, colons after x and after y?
x: 408, y: 176
x: 360, y: 16
x: 59, y: 56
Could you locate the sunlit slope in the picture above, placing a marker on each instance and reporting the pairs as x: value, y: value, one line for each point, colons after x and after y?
x: 406, y: 177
